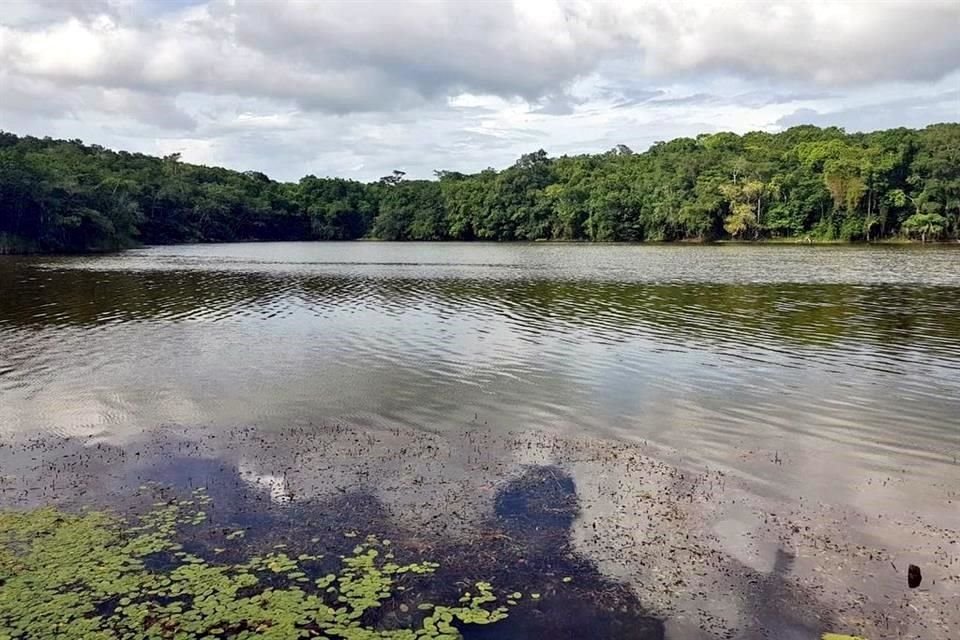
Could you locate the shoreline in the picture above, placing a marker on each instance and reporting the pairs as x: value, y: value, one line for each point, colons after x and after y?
x: 793, y: 242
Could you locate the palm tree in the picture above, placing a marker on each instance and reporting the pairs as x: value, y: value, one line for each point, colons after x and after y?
x: 925, y: 225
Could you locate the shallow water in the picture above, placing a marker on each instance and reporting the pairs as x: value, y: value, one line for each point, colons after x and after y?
x: 823, y: 375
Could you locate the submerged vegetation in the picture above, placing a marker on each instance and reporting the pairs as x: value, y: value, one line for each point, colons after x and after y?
x: 96, y: 576
x: 805, y: 183
x: 237, y: 567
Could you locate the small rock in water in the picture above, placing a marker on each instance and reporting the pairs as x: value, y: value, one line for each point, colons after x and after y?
x: 914, y: 576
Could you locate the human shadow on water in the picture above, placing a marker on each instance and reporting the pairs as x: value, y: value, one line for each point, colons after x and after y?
x: 523, y: 548
x: 530, y: 543
x: 778, y: 609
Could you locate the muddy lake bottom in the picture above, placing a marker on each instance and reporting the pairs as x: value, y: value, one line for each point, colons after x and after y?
x: 616, y: 540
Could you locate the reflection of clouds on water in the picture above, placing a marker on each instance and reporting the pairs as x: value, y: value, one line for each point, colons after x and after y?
x: 458, y: 365
x: 274, y: 486
x: 674, y: 534
x: 670, y: 534
x: 858, y: 372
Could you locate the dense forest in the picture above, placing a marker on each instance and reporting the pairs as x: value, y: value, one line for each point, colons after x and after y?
x: 805, y: 183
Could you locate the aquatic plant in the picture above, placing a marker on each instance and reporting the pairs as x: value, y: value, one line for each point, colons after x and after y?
x: 97, y: 576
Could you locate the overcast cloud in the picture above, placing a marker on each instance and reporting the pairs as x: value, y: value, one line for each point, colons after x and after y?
x: 358, y: 88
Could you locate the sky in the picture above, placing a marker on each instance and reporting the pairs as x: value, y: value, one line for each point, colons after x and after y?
x: 360, y: 88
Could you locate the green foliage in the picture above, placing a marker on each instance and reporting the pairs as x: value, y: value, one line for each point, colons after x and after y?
x: 928, y: 226
x: 804, y: 183
x: 94, y: 576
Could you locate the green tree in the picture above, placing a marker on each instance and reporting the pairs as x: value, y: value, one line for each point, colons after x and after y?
x: 929, y: 226
x: 62, y: 195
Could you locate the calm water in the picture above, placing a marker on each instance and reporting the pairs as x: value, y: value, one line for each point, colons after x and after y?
x: 828, y: 355
x: 816, y: 378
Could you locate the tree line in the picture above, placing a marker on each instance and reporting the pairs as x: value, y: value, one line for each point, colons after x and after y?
x: 806, y: 183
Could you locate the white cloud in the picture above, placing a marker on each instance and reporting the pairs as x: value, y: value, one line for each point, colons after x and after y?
x: 900, y: 112
x: 826, y: 42
x: 461, y: 84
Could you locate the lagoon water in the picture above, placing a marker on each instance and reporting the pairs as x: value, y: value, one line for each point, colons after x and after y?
x: 846, y: 358
x: 824, y: 374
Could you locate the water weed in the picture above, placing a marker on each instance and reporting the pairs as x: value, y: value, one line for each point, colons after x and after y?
x: 97, y: 576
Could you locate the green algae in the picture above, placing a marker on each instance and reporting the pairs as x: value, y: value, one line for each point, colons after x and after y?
x: 97, y: 576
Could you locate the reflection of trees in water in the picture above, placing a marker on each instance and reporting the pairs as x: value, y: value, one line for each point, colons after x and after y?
x: 797, y: 314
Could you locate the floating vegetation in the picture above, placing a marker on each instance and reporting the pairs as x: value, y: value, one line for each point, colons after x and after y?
x: 96, y: 576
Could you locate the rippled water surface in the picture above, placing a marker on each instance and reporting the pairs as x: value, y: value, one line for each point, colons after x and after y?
x: 845, y: 358
x: 813, y: 391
